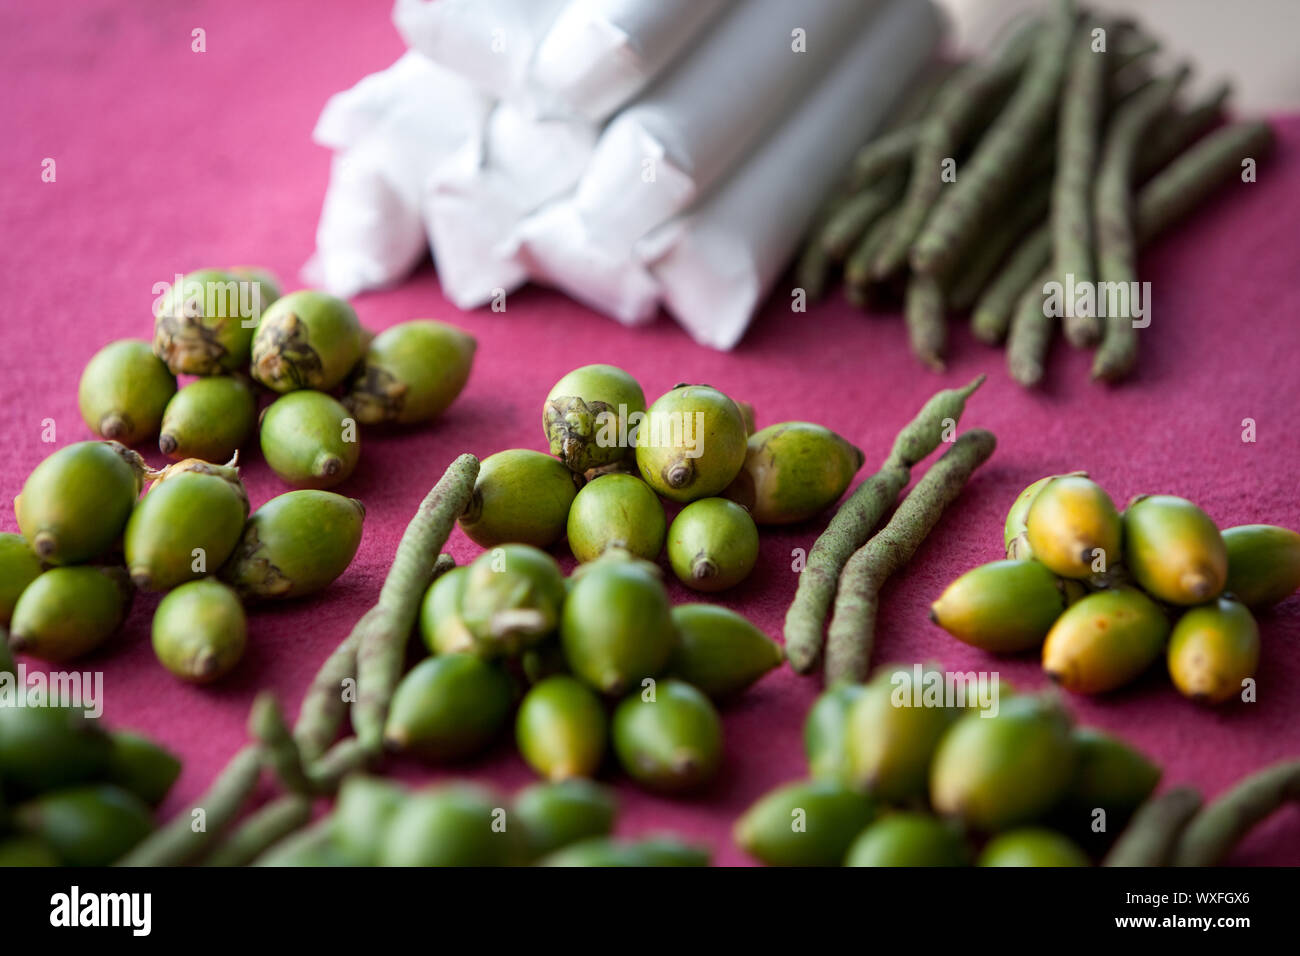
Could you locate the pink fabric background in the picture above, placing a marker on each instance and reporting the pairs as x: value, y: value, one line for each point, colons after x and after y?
x: 170, y: 160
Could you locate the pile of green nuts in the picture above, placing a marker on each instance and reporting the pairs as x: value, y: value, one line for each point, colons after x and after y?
x: 72, y: 793
x: 1105, y: 593
x: 602, y: 658
x: 377, y: 822
x: 307, y: 349
x: 88, y: 540
x: 612, y: 459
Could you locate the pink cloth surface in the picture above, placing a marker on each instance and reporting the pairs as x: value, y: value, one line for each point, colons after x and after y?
x: 169, y: 160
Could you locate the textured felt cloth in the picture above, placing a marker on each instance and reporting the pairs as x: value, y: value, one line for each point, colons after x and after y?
x: 168, y: 160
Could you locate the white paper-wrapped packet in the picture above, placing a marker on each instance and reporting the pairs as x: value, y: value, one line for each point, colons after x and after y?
x: 715, y: 265
x: 393, y: 128
x: 684, y: 135
x: 598, y: 54
x: 490, y: 43
x: 475, y: 199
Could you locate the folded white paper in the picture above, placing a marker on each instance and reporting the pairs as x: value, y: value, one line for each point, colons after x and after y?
x: 599, y: 53
x: 716, y: 264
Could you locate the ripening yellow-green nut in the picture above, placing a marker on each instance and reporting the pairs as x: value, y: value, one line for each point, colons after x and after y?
x: 123, y: 391
x: 76, y: 502
x: 200, y: 631
x: 909, y: 839
x: 793, y: 471
x: 306, y: 339
x: 511, y: 599
x: 608, y: 851
x: 712, y: 544
x: 211, y: 418
x: 560, y: 814
x: 442, y: 628
x: 691, y: 443
x: 1032, y: 846
x: 19, y: 567
x: 825, y: 733
x: 1213, y: 649
x: 668, y: 738
x: 1104, y: 641
x: 616, y: 511
x: 807, y: 823
x: 310, y: 440
x: 263, y: 287
x: 88, y: 825
x: 995, y: 772
x: 1263, y: 563
x: 1073, y: 527
x: 362, y: 812
x: 451, y: 825
x: 561, y: 728
x: 591, y: 415
x: 184, y: 529
x: 1173, y: 550
x: 719, y: 651
x: 893, y: 729
x: 1003, y: 607
x: 69, y: 611
x: 1014, y: 539
x: 520, y: 497
x: 411, y: 373
x: 1109, y: 775
x: 204, y: 324
x: 448, y: 707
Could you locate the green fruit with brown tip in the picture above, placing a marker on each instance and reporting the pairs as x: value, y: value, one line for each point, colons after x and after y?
x: 1173, y: 550
x: 26, y: 851
x: 793, y: 471
x: 1263, y: 563
x: 590, y: 416
x: 211, y: 418
x: 362, y: 813
x: 19, y: 567
x: 1003, y: 771
x: 76, y: 502
x: 607, y: 852
x: 264, y: 288
x: 1109, y: 775
x: 200, y: 631
x: 453, y: 825
x: 511, y: 599
x: 183, y: 529
x: 203, y: 325
x: 1213, y: 651
x: 1003, y: 606
x: 1104, y: 641
x: 671, y: 741
x: 410, y: 373
x: 560, y: 729
x: 1032, y: 846
x: 616, y: 511
x: 559, y: 814
x: 1014, y: 537
x: 448, y: 707
x: 44, y: 747
x: 809, y: 823
x: 68, y: 612
x: 712, y: 544
x: 306, y: 339
x: 520, y: 497
x: 91, y: 825
x: 1073, y: 527
x: 892, y: 733
x: 616, y: 626
x: 140, y: 766
x: 441, y: 626
x: 719, y: 651
x: 124, y: 390
x: 296, y: 544
x: 825, y: 733
x: 309, y: 440
x: 691, y: 443
x: 909, y: 839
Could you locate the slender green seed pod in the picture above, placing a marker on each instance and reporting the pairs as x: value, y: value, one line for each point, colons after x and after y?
x: 1213, y: 832
x: 448, y: 707
x: 1263, y: 563
x: 858, y: 274
x: 199, y: 631
x: 1213, y: 651
x: 411, y: 373
x: 184, y: 528
x: 19, y: 567
x: 204, y: 324
x: 1032, y: 846
x: 1175, y: 133
x: 210, y: 418
x: 996, y: 306
x: 590, y: 415
x: 691, y: 443
x: 1030, y: 337
x: 123, y: 391
x: 267, y: 726
x: 851, y: 221
x: 69, y: 612
x: 718, y: 651
x: 1152, y: 835
x: 520, y: 497
x: 793, y: 471
x: 885, y: 154
x: 309, y: 440
x: 909, y: 839
x: 1104, y: 641
x: 560, y: 814
x: 1173, y: 550
x: 603, y: 851
x: 807, y: 823
x: 561, y: 729
x: 825, y: 733
x: 616, y: 511
x: 141, y: 766
x: 977, y: 272
x: 306, y: 339
x: 927, y: 320
x: 262, y: 830
x: 712, y: 544
x: 857, y: 518
x: 90, y: 825
x: 670, y: 742
x: 813, y: 269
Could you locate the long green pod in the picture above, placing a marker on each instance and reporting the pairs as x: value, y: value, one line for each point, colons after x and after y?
x: 996, y: 306
x: 261, y: 831
x: 1152, y: 835
x: 925, y: 315
x: 1213, y: 832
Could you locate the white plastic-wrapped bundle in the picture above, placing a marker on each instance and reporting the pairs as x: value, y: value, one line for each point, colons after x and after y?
x: 391, y: 129
x: 747, y: 73
x: 476, y: 198
x: 598, y: 54
x: 716, y: 264
x: 490, y: 43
